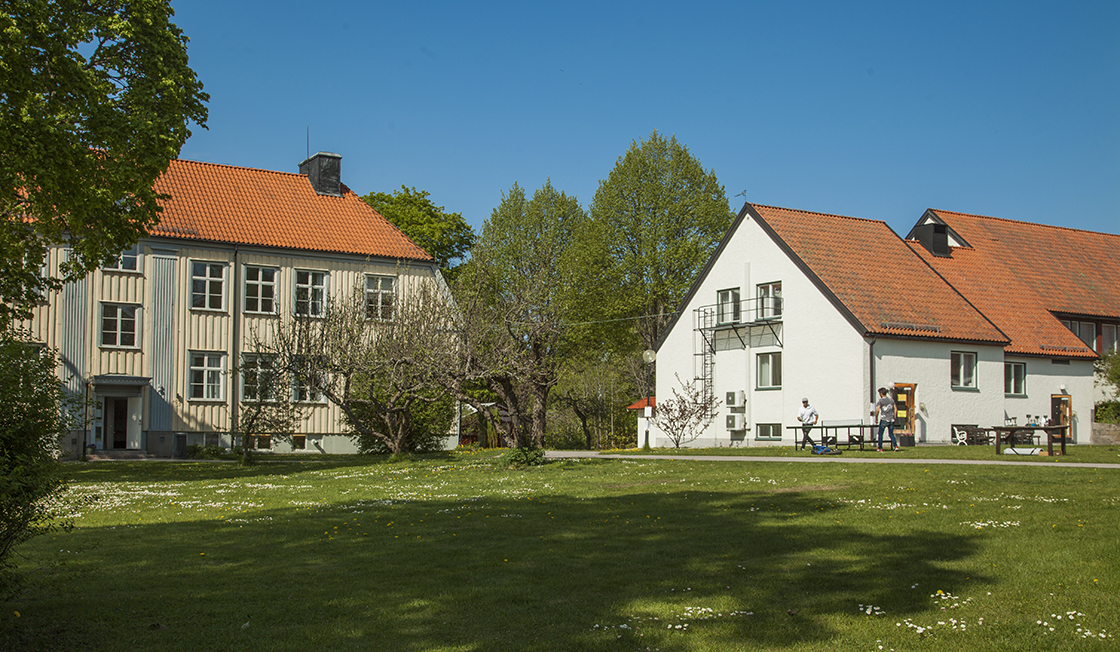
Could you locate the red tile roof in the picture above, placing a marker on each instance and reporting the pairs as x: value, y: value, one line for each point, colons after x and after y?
x: 1017, y: 273
x: 641, y: 403
x: 223, y: 203
x: 874, y: 277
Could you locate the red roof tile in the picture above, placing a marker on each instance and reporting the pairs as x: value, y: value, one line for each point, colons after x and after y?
x: 875, y: 277
x: 641, y: 403
x: 1016, y: 273
x: 223, y: 203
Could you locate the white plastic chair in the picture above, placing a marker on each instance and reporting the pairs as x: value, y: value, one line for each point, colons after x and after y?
x: 960, y: 437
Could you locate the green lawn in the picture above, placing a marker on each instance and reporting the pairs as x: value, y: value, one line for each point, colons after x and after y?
x: 454, y: 552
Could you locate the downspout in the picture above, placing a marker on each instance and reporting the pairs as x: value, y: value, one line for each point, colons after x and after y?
x: 871, y: 366
x: 235, y: 392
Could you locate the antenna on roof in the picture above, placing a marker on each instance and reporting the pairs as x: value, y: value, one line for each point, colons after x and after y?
x: 308, y: 142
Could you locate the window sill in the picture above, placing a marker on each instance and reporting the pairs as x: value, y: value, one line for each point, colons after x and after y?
x: 768, y: 439
x: 964, y: 389
x: 767, y: 389
x: 1006, y: 395
x: 207, y: 401
x: 257, y: 313
x: 133, y: 272
x: 113, y: 347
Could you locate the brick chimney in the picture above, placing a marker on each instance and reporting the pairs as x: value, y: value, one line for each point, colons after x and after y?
x: 324, y: 171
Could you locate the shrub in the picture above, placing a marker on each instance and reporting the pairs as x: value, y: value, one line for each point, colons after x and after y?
x: 522, y: 457
x: 1108, y: 412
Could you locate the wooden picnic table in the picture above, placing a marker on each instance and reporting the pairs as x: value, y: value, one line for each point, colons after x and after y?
x: 1011, y: 433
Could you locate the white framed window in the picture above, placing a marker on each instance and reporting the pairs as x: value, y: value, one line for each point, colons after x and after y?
x: 120, y: 326
x: 769, y: 370
x: 1110, y: 340
x: 258, y: 378
x: 260, y: 289
x: 311, y: 293
x: 770, y: 300
x: 1088, y: 334
x: 768, y: 431
x: 128, y: 261
x: 1015, y: 378
x: 207, y: 372
x: 728, y: 310
x: 208, y: 285
x: 962, y: 369
x: 303, y: 389
x: 381, y: 297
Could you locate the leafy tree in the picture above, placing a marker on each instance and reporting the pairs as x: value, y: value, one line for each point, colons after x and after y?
x: 95, y: 99
x: 446, y: 236
x: 35, y: 414
x: 684, y: 416
x: 1108, y: 376
x: 655, y: 220
x: 513, y: 298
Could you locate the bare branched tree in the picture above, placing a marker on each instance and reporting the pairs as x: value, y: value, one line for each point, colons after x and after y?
x: 687, y: 414
x: 266, y: 407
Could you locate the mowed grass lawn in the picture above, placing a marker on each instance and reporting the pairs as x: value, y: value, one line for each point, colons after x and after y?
x: 454, y: 552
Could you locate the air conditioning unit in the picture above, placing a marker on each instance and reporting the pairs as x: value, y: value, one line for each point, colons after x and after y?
x: 736, y: 399
x: 736, y: 422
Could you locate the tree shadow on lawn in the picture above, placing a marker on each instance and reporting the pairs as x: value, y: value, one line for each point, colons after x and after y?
x: 197, y: 470
x: 489, y: 574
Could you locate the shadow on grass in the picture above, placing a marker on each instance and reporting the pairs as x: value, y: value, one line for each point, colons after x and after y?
x: 547, y: 573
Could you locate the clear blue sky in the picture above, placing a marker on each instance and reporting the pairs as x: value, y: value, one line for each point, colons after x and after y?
x: 872, y: 109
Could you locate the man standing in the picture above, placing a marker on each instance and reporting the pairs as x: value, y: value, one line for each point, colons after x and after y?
x: 807, y: 415
x: 884, y: 414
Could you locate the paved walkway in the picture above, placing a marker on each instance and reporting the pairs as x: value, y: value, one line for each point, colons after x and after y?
x: 824, y: 459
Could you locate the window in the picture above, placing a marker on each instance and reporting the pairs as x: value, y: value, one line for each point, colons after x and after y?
x: 1109, y: 338
x: 962, y: 369
x: 260, y: 289
x: 380, y: 297
x: 769, y: 370
x: 1088, y: 334
x: 208, y: 286
x: 728, y: 306
x: 311, y: 292
x: 769, y: 431
x: 303, y: 389
x: 258, y: 378
x: 299, y: 442
x: 1015, y: 378
x: 206, y: 376
x: 128, y: 261
x: 118, y: 325
x: 770, y: 300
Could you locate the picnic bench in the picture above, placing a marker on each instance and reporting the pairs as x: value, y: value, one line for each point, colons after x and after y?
x: 854, y: 432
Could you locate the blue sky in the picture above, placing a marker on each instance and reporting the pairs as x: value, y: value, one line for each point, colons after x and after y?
x: 872, y: 109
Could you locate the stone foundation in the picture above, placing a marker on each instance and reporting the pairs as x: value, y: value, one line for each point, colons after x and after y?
x: 1105, y: 434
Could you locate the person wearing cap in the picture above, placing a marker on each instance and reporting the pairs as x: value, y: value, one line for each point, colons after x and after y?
x: 807, y: 415
x: 884, y: 414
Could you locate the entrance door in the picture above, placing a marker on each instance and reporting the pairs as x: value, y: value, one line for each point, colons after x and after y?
x: 116, y: 418
x: 904, y: 407
x: 1059, y: 410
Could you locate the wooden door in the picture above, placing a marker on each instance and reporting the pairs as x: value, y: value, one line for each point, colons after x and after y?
x: 904, y: 407
x: 1059, y: 409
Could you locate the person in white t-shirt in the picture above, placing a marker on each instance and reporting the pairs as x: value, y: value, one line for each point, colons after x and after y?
x: 807, y: 415
x: 884, y: 414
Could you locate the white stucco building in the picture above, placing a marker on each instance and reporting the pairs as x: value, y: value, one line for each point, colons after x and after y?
x: 970, y: 320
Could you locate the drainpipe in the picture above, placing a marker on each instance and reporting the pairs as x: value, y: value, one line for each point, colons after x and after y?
x: 235, y: 384
x: 871, y: 366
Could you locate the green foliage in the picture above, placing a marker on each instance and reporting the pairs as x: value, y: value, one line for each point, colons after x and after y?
x: 655, y: 221
x: 35, y: 414
x: 446, y: 236
x: 520, y: 458
x: 428, y: 425
x: 1108, y: 371
x: 95, y: 99
x: 212, y: 452
x: 1107, y: 412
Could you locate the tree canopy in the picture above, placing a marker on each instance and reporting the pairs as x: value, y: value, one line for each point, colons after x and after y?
x: 655, y: 220
x: 95, y: 100
x: 446, y: 236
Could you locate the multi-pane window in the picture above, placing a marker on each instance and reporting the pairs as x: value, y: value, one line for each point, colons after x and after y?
x: 1088, y: 334
x: 311, y: 292
x: 1015, y: 378
x: 208, y: 285
x: 728, y: 306
x: 769, y: 370
x: 769, y: 431
x: 304, y: 382
x: 962, y: 369
x: 258, y: 378
x: 118, y: 325
x: 770, y: 300
x: 1110, y: 342
x: 206, y: 374
x: 260, y: 289
x: 381, y: 296
x: 128, y: 261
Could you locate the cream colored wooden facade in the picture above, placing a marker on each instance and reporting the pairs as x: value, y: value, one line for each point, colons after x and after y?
x: 143, y: 391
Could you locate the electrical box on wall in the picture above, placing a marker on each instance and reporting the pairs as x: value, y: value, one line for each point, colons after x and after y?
x: 736, y: 422
x: 736, y: 399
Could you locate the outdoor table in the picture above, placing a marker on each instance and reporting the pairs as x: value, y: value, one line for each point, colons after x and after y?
x: 852, y: 439
x: 1009, y: 433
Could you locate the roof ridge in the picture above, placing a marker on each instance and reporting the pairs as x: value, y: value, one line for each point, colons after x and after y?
x: 799, y: 210
x: 1023, y: 222
x: 237, y: 167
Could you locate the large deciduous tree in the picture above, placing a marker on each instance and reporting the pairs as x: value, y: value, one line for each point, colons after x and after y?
x: 514, y: 297
x: 446, y: 236
x: 655, y: 220
x: 95, y: 100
